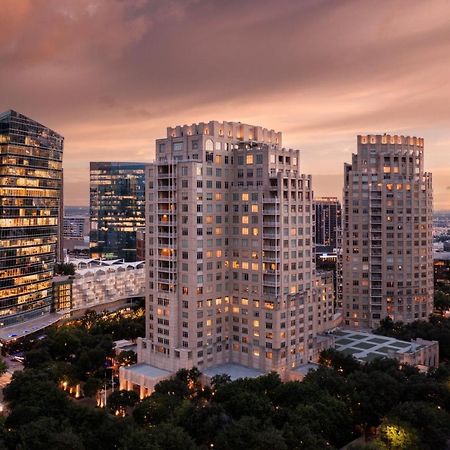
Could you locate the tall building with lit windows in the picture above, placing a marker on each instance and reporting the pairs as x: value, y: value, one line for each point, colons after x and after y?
x: 328, y: 221
x: 117, y: 208
x: 30, y: 216
x: 229, y: 253
x: 387, y: 260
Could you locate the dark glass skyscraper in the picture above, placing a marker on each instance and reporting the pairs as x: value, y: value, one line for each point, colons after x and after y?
x: 30, y: 216
x: 328, y: 221
x: 117, y: 196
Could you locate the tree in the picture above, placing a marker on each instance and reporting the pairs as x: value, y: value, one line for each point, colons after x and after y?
x: 156, y: 409
x: 37, y: 357
x: 339, y: 361
x: 118, y: 401
x: 91, y: 360
x: 126, y: 358
x: 220, y: 380
x: 3, y: 367
x: 203, y: 422
x: 250, y: 434
x: 139, y: 439
x: 64, y: 269
x: 372, y: 396
x: 64, y: 344
x: 170, y: 437
x: 430, y: 422
x: 46, y: 433
x: 92, y: 386
x: 441, y: 302
x: 90, y: 319
x: 398, y: 436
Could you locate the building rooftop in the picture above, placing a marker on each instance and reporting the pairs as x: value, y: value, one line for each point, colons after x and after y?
x: 234, y: 371
x: 148, y: 371
x: 441, y: 255
x: 368, y: 346
x: 111, y: 268
x: 86, y: 265
x: 304, y: 369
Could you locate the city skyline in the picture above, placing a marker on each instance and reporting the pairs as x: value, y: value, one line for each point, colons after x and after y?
x: 321, y: 74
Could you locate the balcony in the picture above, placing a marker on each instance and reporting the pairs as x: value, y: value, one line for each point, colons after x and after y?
x: 271, y: 200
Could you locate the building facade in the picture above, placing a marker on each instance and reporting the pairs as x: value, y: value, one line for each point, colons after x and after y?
x: 76, y: 227
x: 117, y: 208
x: 230, y: 252
x: 441, y: 262
x: 76, y: 235
x: 328, y: 221
x: 140, y: 244
x: 99, y: 284
x: 30, y: 216
x: 387, y: 260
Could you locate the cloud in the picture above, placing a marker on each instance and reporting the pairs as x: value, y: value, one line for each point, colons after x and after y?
x: 110, y: 75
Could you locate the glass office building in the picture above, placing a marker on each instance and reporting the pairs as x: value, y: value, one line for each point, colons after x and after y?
x: 117, y: 208
x: 30, y: 216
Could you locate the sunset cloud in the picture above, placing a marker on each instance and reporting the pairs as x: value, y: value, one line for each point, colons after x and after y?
x: 111, y: 75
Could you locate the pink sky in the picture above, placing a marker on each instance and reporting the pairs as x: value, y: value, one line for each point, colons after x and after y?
x: 111, y: 75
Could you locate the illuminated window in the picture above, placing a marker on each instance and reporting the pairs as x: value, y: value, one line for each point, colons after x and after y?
x: 254, y: 208
x: 245, y: 230
x: 245, y: 197
x: 255, y: 231
x: 249, y: 159
x: 209, y: 145
x: 245, y: 219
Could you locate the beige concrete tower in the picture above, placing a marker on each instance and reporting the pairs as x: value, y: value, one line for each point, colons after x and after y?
x: 387, y: 264
x: 229, y: 252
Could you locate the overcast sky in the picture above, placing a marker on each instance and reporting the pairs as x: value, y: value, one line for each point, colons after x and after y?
x: 111, y: 75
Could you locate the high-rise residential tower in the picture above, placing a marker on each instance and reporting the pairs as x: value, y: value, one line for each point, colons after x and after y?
x: 117, y: 208
x: 230, y: 254
x: 387, y: 261
x: 30, y: 216
x: 328, y: 221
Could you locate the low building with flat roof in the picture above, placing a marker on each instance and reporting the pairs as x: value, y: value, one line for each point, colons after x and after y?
x: 368, y: 346
x: 142, y: 378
